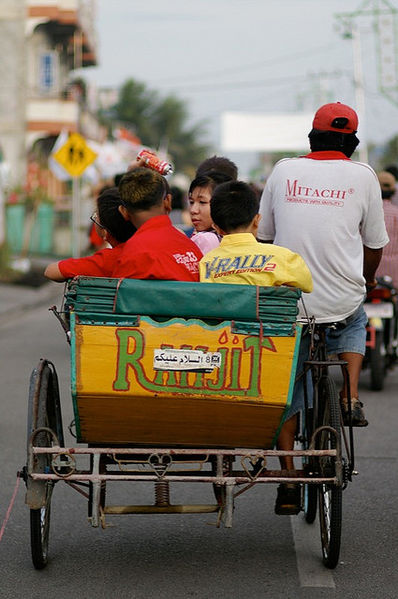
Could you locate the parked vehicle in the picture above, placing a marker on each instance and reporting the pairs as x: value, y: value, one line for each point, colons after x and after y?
x: 382, y: 338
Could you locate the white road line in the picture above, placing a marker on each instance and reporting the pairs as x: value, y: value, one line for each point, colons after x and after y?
x: 307, y: 543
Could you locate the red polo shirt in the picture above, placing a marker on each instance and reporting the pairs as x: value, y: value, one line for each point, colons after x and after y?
x: 159, y: 251
x: 100, y: 264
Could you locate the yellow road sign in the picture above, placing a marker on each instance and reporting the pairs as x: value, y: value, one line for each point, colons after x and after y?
x: 75, y: 155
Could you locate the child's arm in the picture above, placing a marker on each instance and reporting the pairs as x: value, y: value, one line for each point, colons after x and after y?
x: 52, y: 272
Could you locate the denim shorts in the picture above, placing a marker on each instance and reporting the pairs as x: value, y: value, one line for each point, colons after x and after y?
x: 348, y: 336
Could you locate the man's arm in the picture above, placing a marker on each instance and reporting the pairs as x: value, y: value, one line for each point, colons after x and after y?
x: 371, y: 260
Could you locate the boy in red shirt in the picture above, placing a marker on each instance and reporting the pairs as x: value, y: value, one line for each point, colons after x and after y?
x: 157, y: 250
x: 112, y: 227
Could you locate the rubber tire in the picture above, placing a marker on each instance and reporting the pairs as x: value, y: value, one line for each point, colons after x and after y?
x: 46, y: 416
x: 377, y: 364
x: 330, y: 496
x: 40, y: 530
x: 310, y: 492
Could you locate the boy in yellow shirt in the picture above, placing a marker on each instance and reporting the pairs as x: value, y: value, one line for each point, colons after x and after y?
x: 241, y: 259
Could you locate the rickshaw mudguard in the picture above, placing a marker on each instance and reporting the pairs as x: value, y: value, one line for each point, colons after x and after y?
x: 142, y: 379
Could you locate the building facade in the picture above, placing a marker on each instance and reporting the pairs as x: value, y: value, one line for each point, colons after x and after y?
x: 42, y: 44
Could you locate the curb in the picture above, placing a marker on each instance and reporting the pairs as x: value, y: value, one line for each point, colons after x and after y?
x: 48, y: 292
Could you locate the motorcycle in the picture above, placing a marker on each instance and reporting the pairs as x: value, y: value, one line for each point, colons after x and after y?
x: 382, y: 331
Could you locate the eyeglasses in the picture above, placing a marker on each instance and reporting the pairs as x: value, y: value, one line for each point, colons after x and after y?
x: 94, y: 219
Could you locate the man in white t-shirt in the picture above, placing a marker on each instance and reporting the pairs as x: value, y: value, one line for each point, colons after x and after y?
x: 328, y: 209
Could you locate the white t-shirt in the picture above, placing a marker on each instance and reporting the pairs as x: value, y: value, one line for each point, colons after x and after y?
x: 325, y: 210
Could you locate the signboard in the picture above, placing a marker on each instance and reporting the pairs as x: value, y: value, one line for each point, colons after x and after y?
x: 75, y: 155
x: 256, y: 132
x: 186, y: 359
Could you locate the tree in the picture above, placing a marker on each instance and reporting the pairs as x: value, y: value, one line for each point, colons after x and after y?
x: 389, y: 154
x: 161, y: 123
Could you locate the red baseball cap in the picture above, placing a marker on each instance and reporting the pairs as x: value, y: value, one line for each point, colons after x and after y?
x: 336, y: 117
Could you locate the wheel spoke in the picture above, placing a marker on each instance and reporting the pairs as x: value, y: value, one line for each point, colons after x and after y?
x: 330, y: 496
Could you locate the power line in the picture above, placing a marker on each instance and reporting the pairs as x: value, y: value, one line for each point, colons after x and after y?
x: 199, y: 87
x: 270, y: 61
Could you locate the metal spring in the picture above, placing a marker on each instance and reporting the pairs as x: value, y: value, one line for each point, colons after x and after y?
x: 162, y: 493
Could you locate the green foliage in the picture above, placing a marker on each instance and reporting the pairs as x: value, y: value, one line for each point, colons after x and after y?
x: 389, y: 155
x: 161, y: 122
x: 7, y: 275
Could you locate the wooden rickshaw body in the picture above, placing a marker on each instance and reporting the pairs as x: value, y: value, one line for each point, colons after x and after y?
x: 176, y: 382
x: 137, y: 353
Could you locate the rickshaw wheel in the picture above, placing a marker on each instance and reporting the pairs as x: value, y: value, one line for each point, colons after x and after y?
x: 310, y: 492
x: 330, y: 496
x: 44, y: 411
x: 40, y: 529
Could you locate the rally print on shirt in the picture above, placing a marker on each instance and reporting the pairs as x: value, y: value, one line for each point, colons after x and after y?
x: 224, y: 267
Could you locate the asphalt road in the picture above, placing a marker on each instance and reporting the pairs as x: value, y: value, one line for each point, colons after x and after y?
x: 186, y: 556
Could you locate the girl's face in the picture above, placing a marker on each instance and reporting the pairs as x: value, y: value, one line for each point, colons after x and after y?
x: 199, y: 208
x: 99, y: 228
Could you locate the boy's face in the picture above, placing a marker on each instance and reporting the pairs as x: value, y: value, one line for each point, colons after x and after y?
x: 199, y: 208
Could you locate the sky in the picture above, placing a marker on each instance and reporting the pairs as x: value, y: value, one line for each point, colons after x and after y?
x: 245, y: 55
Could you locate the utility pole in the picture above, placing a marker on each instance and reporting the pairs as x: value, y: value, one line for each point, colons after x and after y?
x: 384, y: 17
x: 359, y: 91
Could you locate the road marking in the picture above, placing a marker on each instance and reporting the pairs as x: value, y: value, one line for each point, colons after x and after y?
x: 312, y: 573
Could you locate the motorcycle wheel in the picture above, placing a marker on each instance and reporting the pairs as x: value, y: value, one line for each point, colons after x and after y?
x: 377, y: 363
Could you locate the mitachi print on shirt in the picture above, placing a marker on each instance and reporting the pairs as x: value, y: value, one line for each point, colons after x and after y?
x: 322, y: 196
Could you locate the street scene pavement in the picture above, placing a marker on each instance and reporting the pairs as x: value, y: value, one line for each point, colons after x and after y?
x: 14, y: 299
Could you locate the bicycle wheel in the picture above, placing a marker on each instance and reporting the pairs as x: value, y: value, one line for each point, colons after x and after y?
x: 43, y: 412
x: 310, y: 492
x: 330, y: 496
x: 40, y: 529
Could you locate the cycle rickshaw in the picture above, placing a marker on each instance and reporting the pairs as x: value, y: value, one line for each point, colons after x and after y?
x: 176, y: 382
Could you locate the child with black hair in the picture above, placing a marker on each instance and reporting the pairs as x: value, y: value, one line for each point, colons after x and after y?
x: 200, y: 192
x: 240, y: 258
x: 112, y: 227
x: 219, y: 164
x: 157, y: 250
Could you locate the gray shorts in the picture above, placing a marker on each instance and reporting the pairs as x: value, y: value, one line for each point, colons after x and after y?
x: 348, y: 336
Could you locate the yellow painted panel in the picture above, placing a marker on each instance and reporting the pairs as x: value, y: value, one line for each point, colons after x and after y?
x: 119, y: 361
x: 121, y: 398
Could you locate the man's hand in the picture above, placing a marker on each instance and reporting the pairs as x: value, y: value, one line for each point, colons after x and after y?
x: 136, y: 164
x: 370, y: 285
x: 371, y: 259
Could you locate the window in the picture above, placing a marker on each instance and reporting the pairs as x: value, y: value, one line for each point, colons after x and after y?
x: 47, y: 71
